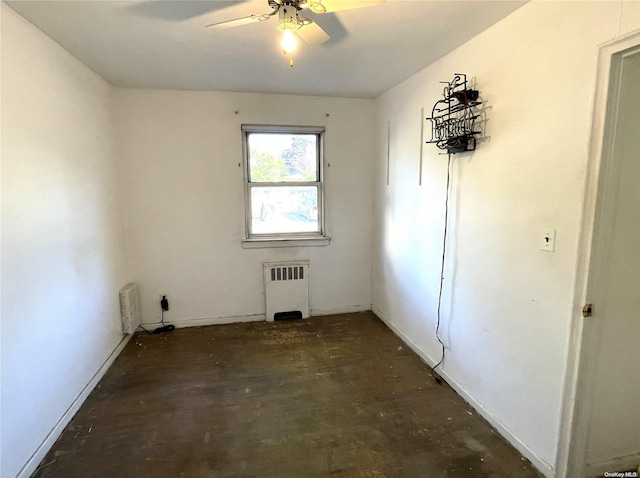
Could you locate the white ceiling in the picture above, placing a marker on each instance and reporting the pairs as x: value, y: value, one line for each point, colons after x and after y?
x: 163, y: 44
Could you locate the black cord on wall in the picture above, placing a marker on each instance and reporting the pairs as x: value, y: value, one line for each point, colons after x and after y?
x: 435, y: 375
x: 164, y: 305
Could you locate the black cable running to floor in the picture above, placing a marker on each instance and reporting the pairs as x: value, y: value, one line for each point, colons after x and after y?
x: 436, y: 376
x: 147, y: 331
x: 164, y: 305
x: 164, y: 327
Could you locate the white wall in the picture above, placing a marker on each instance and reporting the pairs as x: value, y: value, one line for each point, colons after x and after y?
x: 507, y: 306
x: 62, y: 236
x: 183, y: 185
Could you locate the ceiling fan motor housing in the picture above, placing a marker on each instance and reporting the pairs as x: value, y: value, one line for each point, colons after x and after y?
x: 288, y: 16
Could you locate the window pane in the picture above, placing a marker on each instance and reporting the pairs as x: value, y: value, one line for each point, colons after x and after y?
x: 284, y: 209
x: 278, y: 157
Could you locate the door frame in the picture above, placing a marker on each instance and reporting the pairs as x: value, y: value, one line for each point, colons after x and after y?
x: 599, y: 191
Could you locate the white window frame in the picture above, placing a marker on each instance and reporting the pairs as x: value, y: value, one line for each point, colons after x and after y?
x: 316, y: 238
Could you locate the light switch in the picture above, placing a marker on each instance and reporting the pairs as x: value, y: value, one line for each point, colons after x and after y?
x: 548, y: 240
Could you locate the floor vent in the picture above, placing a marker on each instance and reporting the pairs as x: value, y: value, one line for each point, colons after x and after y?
x: 286, y: 290
x: 129, y: 308
x: 293, y: 315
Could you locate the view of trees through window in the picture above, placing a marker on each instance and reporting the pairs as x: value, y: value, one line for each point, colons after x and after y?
x: 284, y: 182
x: 295, y: 163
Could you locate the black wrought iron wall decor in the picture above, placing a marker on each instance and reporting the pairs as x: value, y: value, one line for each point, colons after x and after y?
x: 453, y: 127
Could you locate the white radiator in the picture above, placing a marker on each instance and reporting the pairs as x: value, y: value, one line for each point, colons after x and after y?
x: 286, y: 286
x: 129, y: 308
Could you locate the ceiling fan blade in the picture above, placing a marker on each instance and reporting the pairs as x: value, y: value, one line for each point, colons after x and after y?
x: 313, y: 34
x: 327, y: 6
x: 241, y: 21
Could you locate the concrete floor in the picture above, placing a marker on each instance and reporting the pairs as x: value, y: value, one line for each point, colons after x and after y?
x: 338, y: 395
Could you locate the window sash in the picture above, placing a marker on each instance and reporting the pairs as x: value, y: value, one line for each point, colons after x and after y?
x: 318, y: 157
x: 314, y: 233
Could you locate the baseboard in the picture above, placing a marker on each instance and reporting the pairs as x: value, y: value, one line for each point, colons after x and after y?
x: 617, y: 464
x: 232, y: 319
x: 37, y: 457
x: 341, y: 310
x: 545, y: 468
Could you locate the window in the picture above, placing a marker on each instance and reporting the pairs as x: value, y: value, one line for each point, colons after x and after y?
x: 284, y: 188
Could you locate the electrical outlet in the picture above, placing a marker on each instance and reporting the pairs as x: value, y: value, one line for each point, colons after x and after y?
x: 548, y: 240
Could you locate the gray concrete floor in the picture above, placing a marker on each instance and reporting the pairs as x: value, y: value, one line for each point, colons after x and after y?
x: 337, y: 395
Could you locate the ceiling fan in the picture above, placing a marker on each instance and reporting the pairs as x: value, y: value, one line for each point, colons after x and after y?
x: 290, y: 21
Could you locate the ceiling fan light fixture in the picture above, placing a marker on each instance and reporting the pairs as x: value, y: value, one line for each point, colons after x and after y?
x: 288, y: 18
x: 284, y: 25
x: 288, y: 22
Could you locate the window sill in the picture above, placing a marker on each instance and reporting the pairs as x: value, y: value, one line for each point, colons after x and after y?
x: 280, y: 242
